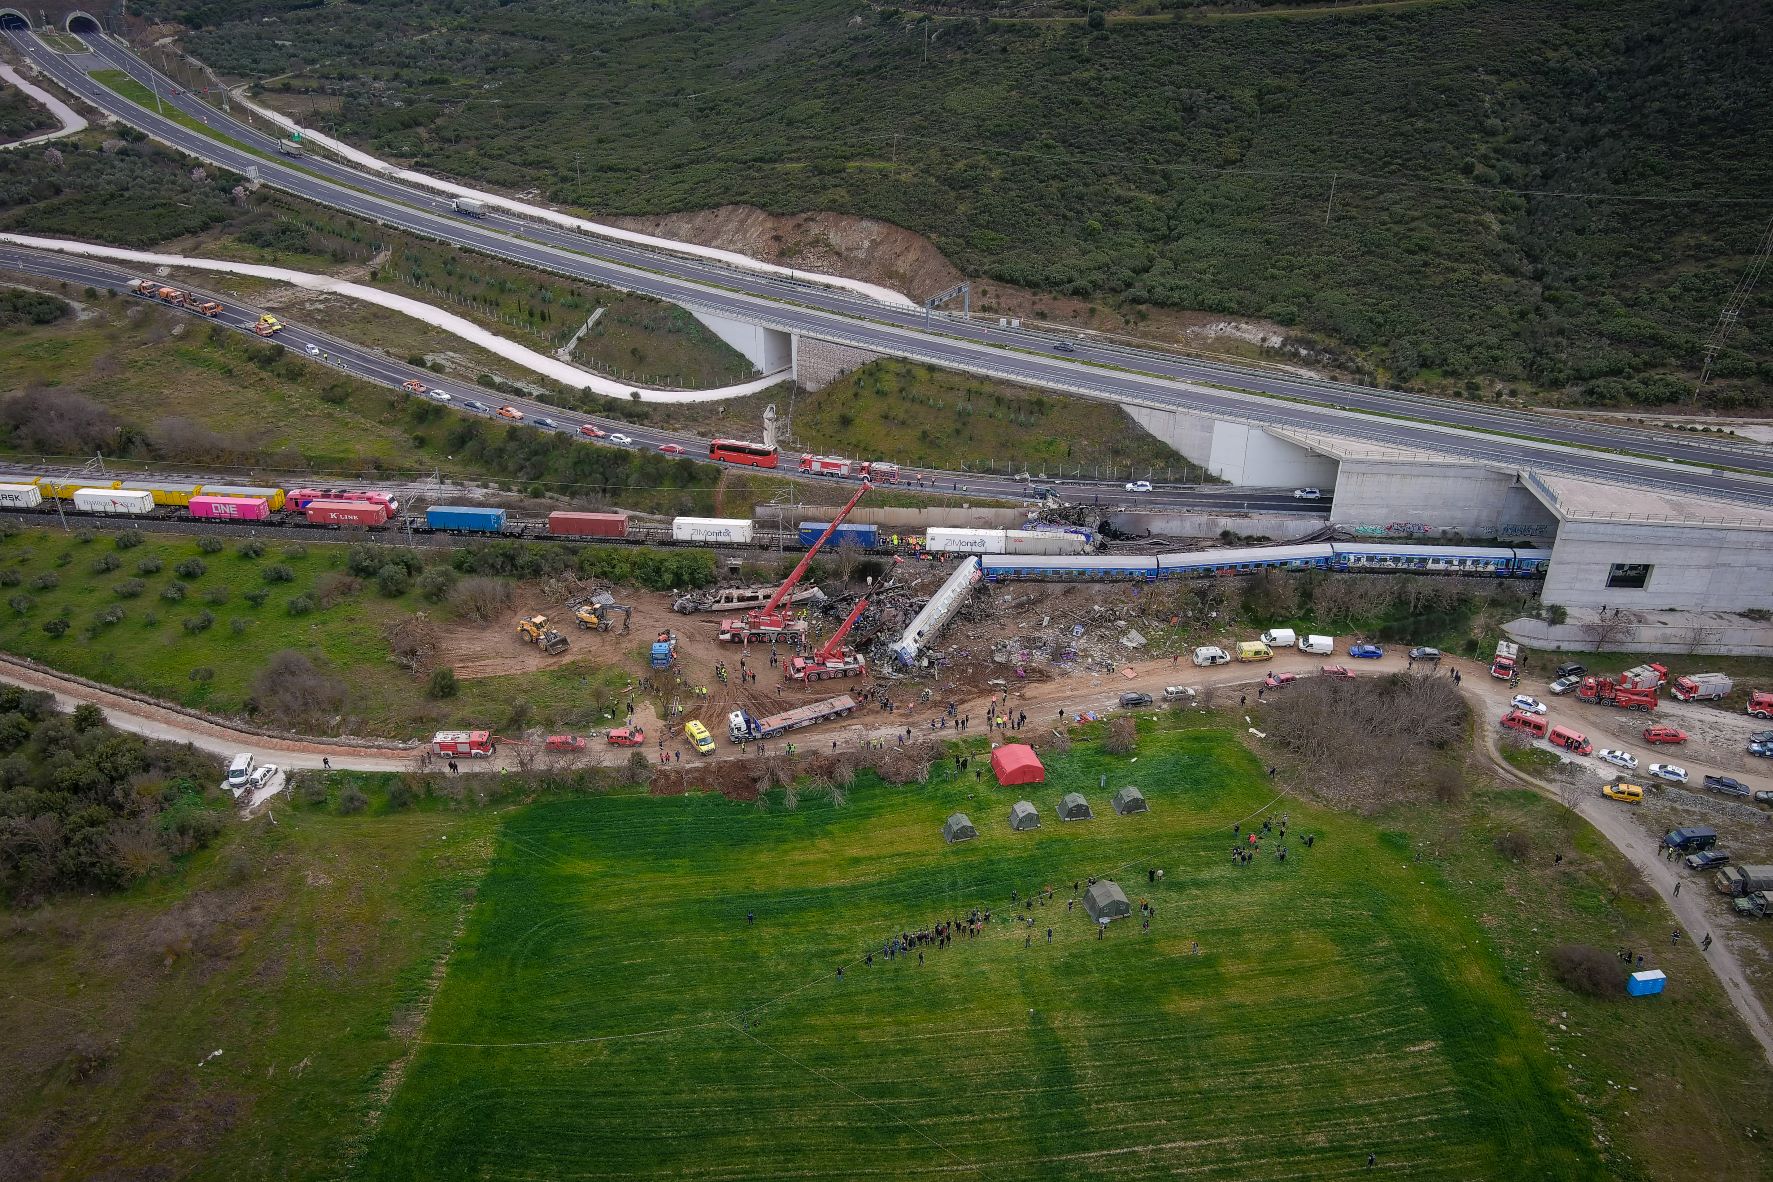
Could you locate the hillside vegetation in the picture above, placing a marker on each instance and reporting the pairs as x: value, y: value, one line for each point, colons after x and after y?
x: 1560, y: 198
x: 21, y: 117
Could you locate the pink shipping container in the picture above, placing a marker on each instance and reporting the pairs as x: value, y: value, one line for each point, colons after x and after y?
x: 588, y: 525
x: 231, y: 508
x: 346, y: 513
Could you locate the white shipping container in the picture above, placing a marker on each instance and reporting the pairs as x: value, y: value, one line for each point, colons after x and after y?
x: 133, y: 502
x: 939, y: 539
x: 711, y: 529
x: 1028, y: 541
x: 20, y: 496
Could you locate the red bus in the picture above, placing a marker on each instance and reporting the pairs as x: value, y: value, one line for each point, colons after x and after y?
x: 737, y: 451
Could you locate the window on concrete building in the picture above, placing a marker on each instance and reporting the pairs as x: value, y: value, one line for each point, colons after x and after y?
x: 1630, y: 576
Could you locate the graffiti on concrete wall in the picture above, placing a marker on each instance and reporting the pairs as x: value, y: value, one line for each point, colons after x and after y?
x: 1526, y: 531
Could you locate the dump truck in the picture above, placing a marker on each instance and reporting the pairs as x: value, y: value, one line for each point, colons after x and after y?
x: 1506, y: 663
x: 1753, y: 905
x: 145, y: 287
x: 535, y: 631
x: 210, y: 308
x: 744, y: 727
x: 1605, y: 691
x: 1737, y: 881
x: 1644, y: 677
x: 1702, y: 687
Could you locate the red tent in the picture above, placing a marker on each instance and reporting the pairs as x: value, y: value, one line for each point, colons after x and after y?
x: 1017, y: 763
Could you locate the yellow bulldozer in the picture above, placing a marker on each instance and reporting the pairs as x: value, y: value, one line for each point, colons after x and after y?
x: 535, y: 631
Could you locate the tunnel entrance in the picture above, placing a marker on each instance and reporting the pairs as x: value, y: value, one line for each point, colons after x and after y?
x: 13, y: 19
x: 84, y: 24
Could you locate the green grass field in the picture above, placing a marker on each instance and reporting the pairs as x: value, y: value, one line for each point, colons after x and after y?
x: 610, y: 1014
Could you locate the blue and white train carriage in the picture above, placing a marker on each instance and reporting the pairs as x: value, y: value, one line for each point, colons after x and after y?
x: 1377, y: 558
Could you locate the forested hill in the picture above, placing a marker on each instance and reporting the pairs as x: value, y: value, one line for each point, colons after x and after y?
x: 1559, y: 195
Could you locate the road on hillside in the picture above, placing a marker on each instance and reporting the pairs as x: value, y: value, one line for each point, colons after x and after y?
x: 375, y: 366
x: 1117, y: 373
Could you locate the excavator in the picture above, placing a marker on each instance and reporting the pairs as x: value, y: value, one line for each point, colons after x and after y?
x: 832, y: 659
x: 771, y: 621
x: 535, y: 631
x: 601, y: 615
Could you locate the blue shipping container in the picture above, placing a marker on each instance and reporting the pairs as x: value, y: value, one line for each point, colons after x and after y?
x: 1646, y: 983
x: 466, y: 517
x: 865, y: 536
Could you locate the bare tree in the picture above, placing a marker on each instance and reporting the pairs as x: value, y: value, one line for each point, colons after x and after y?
x: 411, y: 641
x: 1606, y: 630
x: 480, y: 598
x: 293, y: 689
x: 1373, y: 740
x: 1122, y: 737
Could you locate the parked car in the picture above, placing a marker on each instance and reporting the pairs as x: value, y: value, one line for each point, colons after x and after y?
x: 619, y: 439
x: 671, y: 449
x: 1761, y: 737
x: 1664, y: 734
x: 1564, y: 685
x: 1764, y: 750
x: 1570, y: 669
x: 1728, y: 785
x: 1674, y: 773
x: 565, y: 743
x: 1617, y: 758
x: 627, y: 736
x: 512, y: 413
x: 1308, y: 494
x: 1424, y: 653
x: 440, y: 395
x: 544, y: 424
x: 1705, y: 860
x: 1763, y: 796
x: 1336, y: 671
x: 1135, y: 699
x: 1371, y: 652
x: 1530, y: 705
x: 1275, y: 680
x: 1620, y: 790
x: 592, y: 431
x: 411, y: 385
x: 1139, y: 486
x: 261, y: 775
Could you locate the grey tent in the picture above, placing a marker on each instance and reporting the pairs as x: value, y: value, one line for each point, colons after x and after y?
x: 1130, y: 800
x: 1023, y: 815
x: 1075, y: 808
x: 958, y: 828
x: 1105, y: 900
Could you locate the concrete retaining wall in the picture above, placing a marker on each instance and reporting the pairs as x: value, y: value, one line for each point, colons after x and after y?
x: 819, y: 363
x: 1204, y: 525
x: 1435, y: 498
x: 1696, y: 567
x: 1747, y: 639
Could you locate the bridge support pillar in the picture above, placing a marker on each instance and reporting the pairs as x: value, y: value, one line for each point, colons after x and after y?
x: 769, y: 349
x: 1236, y: 452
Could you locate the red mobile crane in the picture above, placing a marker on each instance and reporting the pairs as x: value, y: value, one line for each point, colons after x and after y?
x: 832, y: 659
x: 770, y: 621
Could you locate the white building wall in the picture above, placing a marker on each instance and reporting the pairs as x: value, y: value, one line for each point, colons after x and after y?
x: 1696, y: 567
x: 1435, y: 498
x: 769, y: 349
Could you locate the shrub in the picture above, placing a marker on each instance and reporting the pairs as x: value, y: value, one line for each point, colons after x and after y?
x: 210, y: 545
x: 47, y: 581
x: 201, y: 622
x: 1556, y: 613
x: 238, y: 626
x: 10, y: 578
x: 278, y: 573
x: 251, y: 549
x: 151, y: 620
x: 334, y: 586
x: 1513, y: 845
x: 202, y: 675
x: 480, y: 598
x: 1585, y: 969
x: 216, y: 595
x: 151, y: 565
x: 393, y: 581
x: 400, y: 794
x: 105, y: 564
x: 21, y: 603
x: 85, y: 535
x: 111, y: 615
x: 435, y: 583
x: 173, y: 592
x: 295, y: 553
x: 301, y: 605
x: 442, y: 683
x: 257, y: 596
x: 128, y: 541
x: 56, y: 628
x: 191, y: 568
x: 312, y: 790
x: 1122, y: 737
x: 352, y: 800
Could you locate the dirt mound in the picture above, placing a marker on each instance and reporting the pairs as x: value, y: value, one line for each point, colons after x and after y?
x: 837, y: 244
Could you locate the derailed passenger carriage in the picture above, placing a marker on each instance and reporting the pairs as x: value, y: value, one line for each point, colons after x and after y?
x: 1450, y: 560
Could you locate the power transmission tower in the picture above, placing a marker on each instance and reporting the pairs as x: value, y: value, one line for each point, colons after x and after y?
x: 1732, y: 313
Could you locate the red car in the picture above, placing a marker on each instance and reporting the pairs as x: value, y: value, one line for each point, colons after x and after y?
x: 414, y: 385
x: 592, y: 431
x: 671, y: 449
x: 1664, y: 734
x: 512, y: 413
x: 1275, y: 680
x: 565, y: 743
x: 1336, y: 671
x: 627, y: 736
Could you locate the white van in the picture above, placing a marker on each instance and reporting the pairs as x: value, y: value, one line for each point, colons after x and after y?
x: 1279, y: 638
x: 1211, y: 656
x: 240, y: 770
x: 1321, y: 645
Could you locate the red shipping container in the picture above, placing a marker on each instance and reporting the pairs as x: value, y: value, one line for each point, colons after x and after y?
x: 588, y: 525
x: 346, y: 513
x: 231, y: 508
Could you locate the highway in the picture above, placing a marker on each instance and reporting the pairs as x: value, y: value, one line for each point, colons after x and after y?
x: 1110, y: 373
x: 374, y: 366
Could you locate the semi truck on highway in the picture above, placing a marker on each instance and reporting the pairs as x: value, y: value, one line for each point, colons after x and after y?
x: 471, y: 206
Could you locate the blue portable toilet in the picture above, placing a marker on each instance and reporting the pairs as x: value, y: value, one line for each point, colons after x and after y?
x: 1645, y: 983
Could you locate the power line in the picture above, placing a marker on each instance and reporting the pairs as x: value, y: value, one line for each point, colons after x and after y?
x: 1733, y: 307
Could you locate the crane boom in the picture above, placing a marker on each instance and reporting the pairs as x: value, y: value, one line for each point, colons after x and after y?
x: 768, y: 616
x: 831, y: 648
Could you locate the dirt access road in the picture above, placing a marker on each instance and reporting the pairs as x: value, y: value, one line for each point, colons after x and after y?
x: 1070, y: 696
